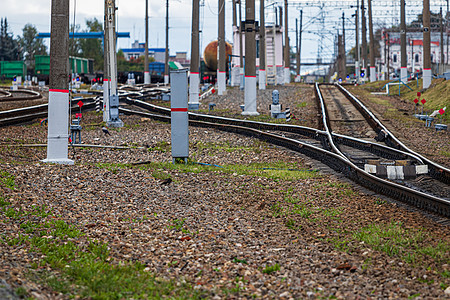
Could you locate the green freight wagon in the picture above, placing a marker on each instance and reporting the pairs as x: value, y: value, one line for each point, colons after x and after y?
x: 9, y: 69
x: 77, y: 65
x: 42, y: 64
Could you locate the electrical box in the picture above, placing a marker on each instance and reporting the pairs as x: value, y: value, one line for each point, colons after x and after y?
x: 179, y: 113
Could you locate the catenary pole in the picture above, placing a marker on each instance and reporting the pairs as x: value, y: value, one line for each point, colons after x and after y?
x: 250, y: 108
x: 146, y: 71
x: 106, y: 76
x: 441, y: 44
x: 426, y: 45
x: 194, y: 77
x: 364, y: 38
x: 344, y: 59
x: 299, y: 51
x: 58, y: 103
x: 287, y: 50
x: 166, y: 60
x: 262, y: 47
x: 373, y: 70
x: 403, y: 59
x: 241, y: 50
x: 357, y: 62
x: 221, y: 70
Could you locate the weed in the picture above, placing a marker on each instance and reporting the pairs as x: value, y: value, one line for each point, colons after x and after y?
x: 237, y: 260
x: 7, y: 180
x: 271, y: 269
x: 177, y: 224
x: 277, y: 210
x: 291, y: 224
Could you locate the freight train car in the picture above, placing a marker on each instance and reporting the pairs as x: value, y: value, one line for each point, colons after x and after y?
x: 10, y: 69
x: 83, y: 67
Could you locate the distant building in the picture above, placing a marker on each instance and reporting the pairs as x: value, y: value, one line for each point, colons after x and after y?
x: 274, y: 54
x: 414, y: 49
x: 137, y: 50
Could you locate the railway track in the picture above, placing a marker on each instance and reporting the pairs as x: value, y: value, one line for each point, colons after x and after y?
x: 322, y: 145
x: 19, y: 95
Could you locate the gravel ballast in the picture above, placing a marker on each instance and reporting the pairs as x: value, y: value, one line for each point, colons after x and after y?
x: 236, y: 218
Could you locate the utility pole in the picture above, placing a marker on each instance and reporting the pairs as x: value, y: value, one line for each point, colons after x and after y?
x: 426, y: 45
x: 364, y: 38
x: 105, y: 65
x: 344, y: 60
x: 241, y: 50
x: 388, y: 54
x: 441, y: 44
x: 262, y: 47
x: 339, y: 64
x: 280, y: 68
x: 194, y: 79
x: 299, y: 49
x: 235, y: 35
x: 357, y: 69
x: 166, y: 61
x: 250, y: 108
x: 58, y: 101
x: 373, y: 69
x: 112, y: 103
x: 221, y: 70
x: 146, y: 71
x: 287, y: 50
x: 385, y: 57
x: 403, y: 62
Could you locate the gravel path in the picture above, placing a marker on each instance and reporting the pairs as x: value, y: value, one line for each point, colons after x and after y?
x: 235, y: 221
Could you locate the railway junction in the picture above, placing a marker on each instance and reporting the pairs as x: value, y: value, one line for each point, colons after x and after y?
x: 255, y: 212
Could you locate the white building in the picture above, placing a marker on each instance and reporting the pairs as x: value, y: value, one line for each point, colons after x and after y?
x: 414, y: 49
x: 274, y: 55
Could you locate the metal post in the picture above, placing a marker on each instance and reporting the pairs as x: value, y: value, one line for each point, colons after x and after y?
x: 146, y: 71
x: 262, y: 47
x: 105, y: 107
x: 221, y: 70
x: 58, y: 102
x: 426, y: 45
x: 364, y: 38
x: 385, y: 57
x: 388, y: 55
x: 179, y: 114
x: 113, y: 99
x: 299, y: 51
x: 343, y: 59
x: 250, y: 60
x: 403, y: 66
x: 241, y: 50
x: 339, y: 64
x: 287, y: 49
x: 373, y: 70
x: 194, y: 77
x: 357, y: 70
x: 441, y: 44
x: 166, y: 60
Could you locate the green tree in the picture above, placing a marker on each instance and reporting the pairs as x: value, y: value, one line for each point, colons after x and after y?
x: 92, y: 48
x: 74, y: 44
x: 9, y: 47
x: 31, y: 45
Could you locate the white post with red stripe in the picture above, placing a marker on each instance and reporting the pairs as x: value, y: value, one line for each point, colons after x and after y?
x: 221, y: 82
x: 58, y: 127
x: 373, y: 74
x: 146, y: 77
x: 250, y: 97
x: 404, y: 74
x: 287, y: 75
x: 105, y: 100
x: 194, y: 91
x: 262, y: 79
x: 426, y: 78
x: 179, y: 114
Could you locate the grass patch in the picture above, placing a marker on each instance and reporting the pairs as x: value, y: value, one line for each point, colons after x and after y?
x: 85, y: 270
x: 271, y: 269
x: 396, y: 240
x: 7, y: 180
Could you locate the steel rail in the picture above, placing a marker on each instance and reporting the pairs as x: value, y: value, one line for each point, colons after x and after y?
x: 335, y: 161
x: 437, y: 171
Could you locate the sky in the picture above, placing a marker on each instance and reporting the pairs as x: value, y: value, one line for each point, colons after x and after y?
x: 131, y: 18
